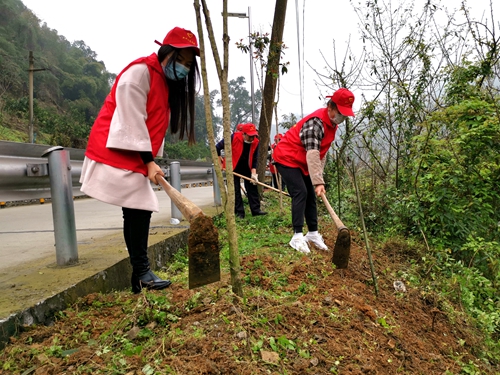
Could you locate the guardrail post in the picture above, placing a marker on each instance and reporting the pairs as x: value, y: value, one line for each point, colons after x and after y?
x: 217, y: 198
x: 175, y: 181
x: 63, y: 211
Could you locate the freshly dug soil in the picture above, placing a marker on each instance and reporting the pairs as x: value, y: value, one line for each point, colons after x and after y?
x: 203, y: 252
x: 203, y: 235
x: 299, y: 316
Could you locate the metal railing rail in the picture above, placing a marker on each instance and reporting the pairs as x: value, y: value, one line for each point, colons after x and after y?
x: 56, y: 169
x: 24, y: 172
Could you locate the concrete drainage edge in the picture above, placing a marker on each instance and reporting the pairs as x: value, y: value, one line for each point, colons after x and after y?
x: 116, y: 277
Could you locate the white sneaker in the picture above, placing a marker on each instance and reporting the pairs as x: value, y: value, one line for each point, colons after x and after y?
x: 300, y: 244
x: 317, y: 240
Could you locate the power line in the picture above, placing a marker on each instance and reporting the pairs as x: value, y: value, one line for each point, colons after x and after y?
x: 301, y: 58
x: 303, y: 49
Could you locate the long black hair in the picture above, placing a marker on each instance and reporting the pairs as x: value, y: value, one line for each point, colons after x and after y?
x: 181, y: 96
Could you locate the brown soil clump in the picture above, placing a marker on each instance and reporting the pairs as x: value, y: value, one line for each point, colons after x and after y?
x: 203, y: 252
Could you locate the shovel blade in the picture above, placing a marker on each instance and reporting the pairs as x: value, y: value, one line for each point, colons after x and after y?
x: 204, y: 268
x: 342, y: 249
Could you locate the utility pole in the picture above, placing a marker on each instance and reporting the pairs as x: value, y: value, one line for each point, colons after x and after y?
x: 251, y: 63
x: 249, y: 16
x: 31, y: 95
x: 30, y: 80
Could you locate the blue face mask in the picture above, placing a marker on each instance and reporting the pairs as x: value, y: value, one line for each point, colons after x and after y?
x: 180, y: 70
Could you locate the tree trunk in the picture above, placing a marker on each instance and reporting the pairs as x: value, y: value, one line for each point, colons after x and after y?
x: 227, y: 195
x: 269, y: 92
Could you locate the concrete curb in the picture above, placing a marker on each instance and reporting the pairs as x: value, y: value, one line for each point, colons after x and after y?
x: 113, y: 277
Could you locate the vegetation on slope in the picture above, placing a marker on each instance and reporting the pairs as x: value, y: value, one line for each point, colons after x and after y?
x: 298, y: 315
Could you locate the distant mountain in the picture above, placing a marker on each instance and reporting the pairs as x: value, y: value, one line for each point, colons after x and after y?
x: 69, y: 84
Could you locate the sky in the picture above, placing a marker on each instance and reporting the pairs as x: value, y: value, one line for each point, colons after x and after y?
x: 120, y: 31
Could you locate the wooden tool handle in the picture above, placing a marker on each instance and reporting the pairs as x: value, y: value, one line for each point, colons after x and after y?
x: 260, y: 183
x: 188, y: 209
x: 332, y: 213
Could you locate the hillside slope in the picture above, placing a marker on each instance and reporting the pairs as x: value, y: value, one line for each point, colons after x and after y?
x: 299, y: 316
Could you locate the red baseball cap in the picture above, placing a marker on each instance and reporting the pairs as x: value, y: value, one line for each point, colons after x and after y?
x: 249, y: 129
x: 180, y: 38
x: 278, y: 136
x: 343, y: 98
x: 239, y: 127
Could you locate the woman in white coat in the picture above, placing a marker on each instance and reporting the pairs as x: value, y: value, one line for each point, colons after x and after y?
x: 149, y: 95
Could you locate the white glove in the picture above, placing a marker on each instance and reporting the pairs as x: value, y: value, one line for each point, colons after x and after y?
x: 255, y: 179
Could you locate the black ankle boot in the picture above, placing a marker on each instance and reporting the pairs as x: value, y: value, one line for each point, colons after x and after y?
x: 149, y: 281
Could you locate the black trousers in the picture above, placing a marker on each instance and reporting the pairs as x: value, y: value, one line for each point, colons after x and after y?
x: 275, y: 182
x: 136, y: 233
x: 252, y: 194
x: 303, y: 196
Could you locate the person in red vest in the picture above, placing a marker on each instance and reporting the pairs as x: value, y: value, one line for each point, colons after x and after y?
x: 272, y: 168
x: 244, y: 144
x: 149, y: 94
x: 222, y: 157
x: 299, y: 158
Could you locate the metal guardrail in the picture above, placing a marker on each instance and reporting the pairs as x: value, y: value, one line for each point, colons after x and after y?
x: 31, y: 174
x: 24, y: 172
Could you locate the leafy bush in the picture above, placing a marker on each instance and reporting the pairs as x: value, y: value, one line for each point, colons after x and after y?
x: 17, y: 106
x: 181, y: 150
x: 457, y: 174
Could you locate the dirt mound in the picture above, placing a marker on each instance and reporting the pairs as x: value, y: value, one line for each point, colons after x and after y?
x: 299, y: 316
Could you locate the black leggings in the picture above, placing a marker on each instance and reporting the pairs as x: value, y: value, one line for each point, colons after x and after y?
x: 136, y: 233
x: 303, y: 196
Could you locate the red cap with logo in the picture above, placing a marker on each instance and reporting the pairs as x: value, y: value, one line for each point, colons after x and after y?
x: 344, y: 99
x: 180, y: 38
x: 249, y: 129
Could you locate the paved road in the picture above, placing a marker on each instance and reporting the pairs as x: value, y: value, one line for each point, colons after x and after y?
x: 27, y: 232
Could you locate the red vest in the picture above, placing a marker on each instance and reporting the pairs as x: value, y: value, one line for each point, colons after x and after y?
x: 290, y: 151
x: 272, y: 168
x: 237, y: 148
x: 158, y: 115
